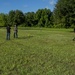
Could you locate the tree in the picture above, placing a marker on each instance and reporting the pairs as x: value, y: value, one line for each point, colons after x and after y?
x: 18, y: 17
x: 64, y: 13
x: 29, y: 19
x: 11, y: 17
x: 3, y: 19
x: 43, y: 17
x: 15, y: 17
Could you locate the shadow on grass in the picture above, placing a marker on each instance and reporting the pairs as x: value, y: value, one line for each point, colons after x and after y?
x: 25, y: 37
x: 72, y: 31
x: 74, y: 39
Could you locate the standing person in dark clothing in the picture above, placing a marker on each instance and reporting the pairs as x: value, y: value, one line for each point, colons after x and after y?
x: 8, y: 32
x: 15, y: 32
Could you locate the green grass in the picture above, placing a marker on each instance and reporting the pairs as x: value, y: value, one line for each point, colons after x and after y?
x: 40, y: 51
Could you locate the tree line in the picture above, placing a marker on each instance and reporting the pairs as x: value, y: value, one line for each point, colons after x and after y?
x: 63, y: 16
x: 42, y: 18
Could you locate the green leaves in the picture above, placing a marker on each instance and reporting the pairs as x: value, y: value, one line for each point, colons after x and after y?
x: 65, y: 9
x: 16, y: 17
x: 44, y: 17
x: 41, y: 18
x: 2, y: 19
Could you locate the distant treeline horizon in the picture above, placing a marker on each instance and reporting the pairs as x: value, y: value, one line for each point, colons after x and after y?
x: 63, y: 16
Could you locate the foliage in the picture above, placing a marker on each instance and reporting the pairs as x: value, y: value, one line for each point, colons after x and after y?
x: 15, y: 17
x: 63, y: 16
x: 11, y: 17
x: 64, y: 13
x: 42, y: 18
x: 3, y: 19
x: 29, y: 19
x: 19, y: 17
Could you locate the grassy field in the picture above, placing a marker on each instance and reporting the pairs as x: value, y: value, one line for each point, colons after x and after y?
x: 38, y: 51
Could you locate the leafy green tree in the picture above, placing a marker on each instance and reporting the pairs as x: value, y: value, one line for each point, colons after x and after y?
x: 64, y: 13
x: 43, y: 17
x: 18, y: 17
x: 15, y: 17
x: 11, y: 17
x: 3, y: 19
x: 29, y: 19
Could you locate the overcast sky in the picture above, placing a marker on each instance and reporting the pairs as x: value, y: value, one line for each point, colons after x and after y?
x: 26, y: 5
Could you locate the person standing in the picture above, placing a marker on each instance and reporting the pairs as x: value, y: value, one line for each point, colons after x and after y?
x: 8, y: 32
x: 15, y: 32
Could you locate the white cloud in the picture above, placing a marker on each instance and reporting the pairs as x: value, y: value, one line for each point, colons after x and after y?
x: 47, y: 7
x: 51, y: 2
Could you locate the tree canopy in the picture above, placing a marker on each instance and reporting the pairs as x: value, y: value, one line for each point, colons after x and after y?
x: 62, y: 16
x: 64, y: 13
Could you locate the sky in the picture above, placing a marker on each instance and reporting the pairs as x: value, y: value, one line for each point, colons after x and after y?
x: 26, y: 5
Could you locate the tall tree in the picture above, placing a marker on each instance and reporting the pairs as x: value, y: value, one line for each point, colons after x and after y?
x: 3, y: 19
x: 18, y: 17
x: 11, y: 17
x: 15, y: 17
x: 43, y: 17
x: 64, y: 13
x: 29, y: 16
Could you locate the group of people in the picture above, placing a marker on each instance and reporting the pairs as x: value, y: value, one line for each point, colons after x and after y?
x: 9, y: 30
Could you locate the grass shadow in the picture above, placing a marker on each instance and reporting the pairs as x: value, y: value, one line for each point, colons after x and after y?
x: 72, y: 31
x: 25, y: 37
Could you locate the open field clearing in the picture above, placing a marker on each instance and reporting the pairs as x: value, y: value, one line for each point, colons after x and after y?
x: 40, y: 51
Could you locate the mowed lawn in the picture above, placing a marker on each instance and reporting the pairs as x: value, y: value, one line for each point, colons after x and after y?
x: 38, y: 51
